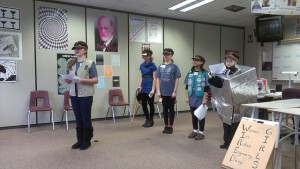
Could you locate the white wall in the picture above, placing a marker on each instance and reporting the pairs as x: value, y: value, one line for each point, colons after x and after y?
x: 186, y: 38
x: 14, y: 97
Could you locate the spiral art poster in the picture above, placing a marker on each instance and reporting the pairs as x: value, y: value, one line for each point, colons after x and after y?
x: 8, y: 71
x: 53, y: 33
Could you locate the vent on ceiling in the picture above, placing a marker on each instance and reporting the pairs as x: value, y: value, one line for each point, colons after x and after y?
x: 234, y: 8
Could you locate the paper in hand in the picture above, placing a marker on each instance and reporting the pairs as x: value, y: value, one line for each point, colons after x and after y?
x: 217, y: 68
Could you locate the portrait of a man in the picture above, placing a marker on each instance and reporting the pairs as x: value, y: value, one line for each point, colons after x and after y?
x: 106, y: 34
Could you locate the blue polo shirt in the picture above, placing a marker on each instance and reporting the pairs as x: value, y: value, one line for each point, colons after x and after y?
x: 147, y: 69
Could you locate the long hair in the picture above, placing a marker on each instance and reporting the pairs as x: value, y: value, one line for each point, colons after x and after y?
x: 71, y: 63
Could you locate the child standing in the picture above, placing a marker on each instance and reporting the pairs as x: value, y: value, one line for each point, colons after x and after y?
x: 147, y: 86
x: 168, y: 75
x: 196, y: 89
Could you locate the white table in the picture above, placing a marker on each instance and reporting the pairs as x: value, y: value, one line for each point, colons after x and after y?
x: 291, y: 111
x: 276, y: 105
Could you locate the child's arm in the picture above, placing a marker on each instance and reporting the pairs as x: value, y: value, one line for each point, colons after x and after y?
x: 175, y: 88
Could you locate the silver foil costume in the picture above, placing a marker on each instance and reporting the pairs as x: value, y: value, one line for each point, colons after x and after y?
x: 238, y: 88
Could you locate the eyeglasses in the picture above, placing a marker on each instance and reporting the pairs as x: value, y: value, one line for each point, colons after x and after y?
x: 78, y: 48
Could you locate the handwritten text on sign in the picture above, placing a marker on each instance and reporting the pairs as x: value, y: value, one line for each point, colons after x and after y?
x: 251, y: 146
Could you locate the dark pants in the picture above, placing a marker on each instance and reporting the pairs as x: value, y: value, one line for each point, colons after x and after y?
x: 195, y: 121
x: 229, y: 131
x: 145, y: 101
x: 82, y: 107
x: 168, y: 106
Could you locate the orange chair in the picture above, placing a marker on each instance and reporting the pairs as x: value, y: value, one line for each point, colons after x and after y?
x: 117, y: 94
x: 67, y: 107
x: 33, y: 107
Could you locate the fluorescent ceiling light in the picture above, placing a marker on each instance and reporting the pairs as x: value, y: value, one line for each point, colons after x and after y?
x: 181, y: 4
x: 196, y: 5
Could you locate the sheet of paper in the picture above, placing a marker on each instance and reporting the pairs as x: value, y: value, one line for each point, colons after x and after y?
x: 217, y: 68
x: 72, y: 77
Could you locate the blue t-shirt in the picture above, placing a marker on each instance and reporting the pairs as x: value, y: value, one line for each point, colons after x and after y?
x: 195, y: 101
x: 167, y: 73
x: 147, y: 69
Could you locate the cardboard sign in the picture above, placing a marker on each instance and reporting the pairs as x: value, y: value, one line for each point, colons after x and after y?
x: 252, y: 144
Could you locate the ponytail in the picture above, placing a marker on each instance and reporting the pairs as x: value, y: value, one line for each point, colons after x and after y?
x: 71, y: 63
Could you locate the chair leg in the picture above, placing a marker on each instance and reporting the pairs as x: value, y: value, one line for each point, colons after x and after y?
x: 52, y: 119
x: 157, y: 107
x: 67, y: 122
x: 28, y: 122
x: 107, y: 112
x: 137, y: 109
x: 62, y: 116
x: 113, y: 113
x: 129, y: 111
x: 176, y: 109
x: 124, y: 110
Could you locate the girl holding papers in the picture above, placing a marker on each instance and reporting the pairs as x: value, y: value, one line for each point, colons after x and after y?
x: 196, y: 89
x: 81, y: 91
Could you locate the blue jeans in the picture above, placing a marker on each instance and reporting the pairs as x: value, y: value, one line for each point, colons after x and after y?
x: 82, y: 107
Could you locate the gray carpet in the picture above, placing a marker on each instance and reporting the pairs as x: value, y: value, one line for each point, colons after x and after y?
x: 120, y: 146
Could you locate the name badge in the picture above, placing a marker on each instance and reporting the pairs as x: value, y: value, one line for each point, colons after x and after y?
x: 163, y: 66
x: 195, y: 73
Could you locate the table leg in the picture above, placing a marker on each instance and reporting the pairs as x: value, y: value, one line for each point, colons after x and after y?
x: 254, y: 113
x: 296, y: 140
x: 277, y: 154
x: 273, y: 116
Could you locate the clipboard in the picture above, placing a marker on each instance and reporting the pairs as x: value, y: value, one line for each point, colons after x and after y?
x: 252, y: 144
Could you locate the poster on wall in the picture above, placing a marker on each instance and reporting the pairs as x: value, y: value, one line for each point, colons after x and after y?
x: 62, y: 60
x: 279, y: 7
x: 10, y: 45
x: 107, y: 70
x: 154, y: 30
x: 137, y: 29
x: 115, y: 59
x: 116, y: 81
x: 145, y: 46
x: 8, y: 71
x: 9, y: 18
x: 106, y: 33
x: 101, y: 82
x: 99, y: 59
x: 53, y: 32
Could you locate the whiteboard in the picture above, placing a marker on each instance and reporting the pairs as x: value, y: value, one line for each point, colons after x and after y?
x: 286, y: 57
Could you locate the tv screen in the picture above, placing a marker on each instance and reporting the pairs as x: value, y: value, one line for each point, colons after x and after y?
x: 269, y: 28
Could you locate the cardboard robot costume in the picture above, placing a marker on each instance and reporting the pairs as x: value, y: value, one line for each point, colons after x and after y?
x: 237, y: 89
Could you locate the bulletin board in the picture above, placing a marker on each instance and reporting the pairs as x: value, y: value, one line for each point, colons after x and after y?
x: 252, y: 144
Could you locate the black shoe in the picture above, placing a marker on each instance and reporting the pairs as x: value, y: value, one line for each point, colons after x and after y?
x: 150, y: 123
x: 85, y: 145
x: 170, y: 130
x: 166, y: 130
x: 76, y: 145
x: 223, y: 146
x: 146, y: 123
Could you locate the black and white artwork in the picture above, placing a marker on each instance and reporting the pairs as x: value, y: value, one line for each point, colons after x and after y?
x: 8, y: 71
x: 53, y: 33
x: 9, y: 18
x: 10, y: 46
x: 62, y: 60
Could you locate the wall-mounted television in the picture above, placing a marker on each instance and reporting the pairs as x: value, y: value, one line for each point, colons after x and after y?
x: 269, y: 28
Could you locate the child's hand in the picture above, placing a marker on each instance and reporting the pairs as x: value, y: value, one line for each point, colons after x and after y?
x: 204, y: 101
x: 187, y: 99
x: 173, y: 95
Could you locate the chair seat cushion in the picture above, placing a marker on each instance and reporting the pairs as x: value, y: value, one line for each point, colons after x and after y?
x: 68, y: 107
x: 120, y: 104
x: 42, y: 108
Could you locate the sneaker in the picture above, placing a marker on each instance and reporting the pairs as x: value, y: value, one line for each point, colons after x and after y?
x: 199, y: 136
x: 146, y: 123
x: 165, y: 130
x: 170, y: 130
x: 192, y: 135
